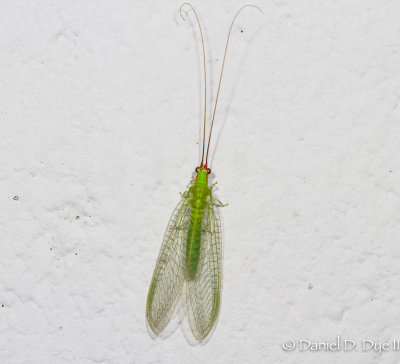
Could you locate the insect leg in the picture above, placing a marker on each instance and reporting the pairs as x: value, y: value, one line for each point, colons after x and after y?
x: 213, y: 184
x: 220, y: 204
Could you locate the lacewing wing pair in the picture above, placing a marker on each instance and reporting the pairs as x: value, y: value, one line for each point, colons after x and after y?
x: 190, y: 256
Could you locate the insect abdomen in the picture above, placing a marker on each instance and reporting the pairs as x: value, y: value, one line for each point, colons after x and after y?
x: 199, y: 193
x: 193, y: 242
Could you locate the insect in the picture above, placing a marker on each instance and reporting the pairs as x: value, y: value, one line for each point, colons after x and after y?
x: 190, y: 255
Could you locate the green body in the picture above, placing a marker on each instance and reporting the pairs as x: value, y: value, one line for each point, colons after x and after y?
x: 199, y: 194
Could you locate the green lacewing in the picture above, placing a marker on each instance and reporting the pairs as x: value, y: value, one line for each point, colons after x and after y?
x: 190, y: 255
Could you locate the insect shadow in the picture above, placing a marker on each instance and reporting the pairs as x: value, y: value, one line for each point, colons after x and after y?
x: 233, y: 89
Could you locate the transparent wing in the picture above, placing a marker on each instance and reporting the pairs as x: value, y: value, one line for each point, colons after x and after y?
x: 204, y: 291
x: 169, y: 272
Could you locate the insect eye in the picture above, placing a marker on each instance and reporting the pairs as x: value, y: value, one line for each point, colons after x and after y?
x: 208, y: 170
x: 197, y: 169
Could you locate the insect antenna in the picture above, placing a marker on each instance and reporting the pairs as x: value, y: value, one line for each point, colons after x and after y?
x: 205, y: 74
x: 222, y: 71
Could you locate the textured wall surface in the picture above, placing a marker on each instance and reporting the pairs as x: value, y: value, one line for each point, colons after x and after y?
x: 100, y: 121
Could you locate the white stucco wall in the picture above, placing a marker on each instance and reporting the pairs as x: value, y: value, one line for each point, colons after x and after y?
x: 100, y: 112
